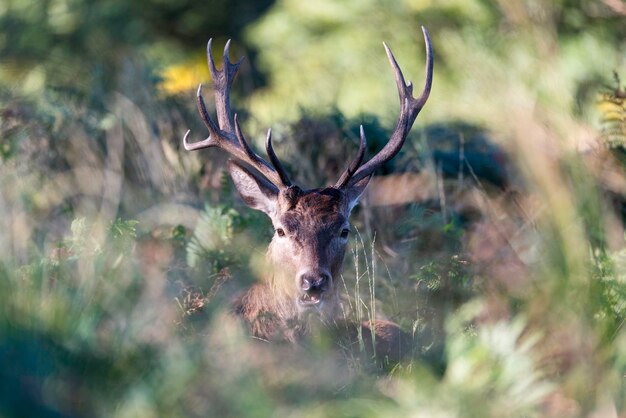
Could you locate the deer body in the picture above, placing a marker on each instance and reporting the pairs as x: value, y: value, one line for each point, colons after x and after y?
x: 311, y: 226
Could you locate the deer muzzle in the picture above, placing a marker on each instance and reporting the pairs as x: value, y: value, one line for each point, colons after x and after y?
x: 313, y: 286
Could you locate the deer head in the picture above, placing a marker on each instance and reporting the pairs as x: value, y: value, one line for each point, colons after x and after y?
x: 311, y: 226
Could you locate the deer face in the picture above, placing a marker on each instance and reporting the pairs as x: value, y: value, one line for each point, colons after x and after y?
x: 311, y: 233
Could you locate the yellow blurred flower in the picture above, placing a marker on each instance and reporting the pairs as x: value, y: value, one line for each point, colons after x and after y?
x: 612, y: 107
x: 185, y: 76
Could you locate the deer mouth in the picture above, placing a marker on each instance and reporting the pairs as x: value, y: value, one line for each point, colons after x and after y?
x: 310, y: 299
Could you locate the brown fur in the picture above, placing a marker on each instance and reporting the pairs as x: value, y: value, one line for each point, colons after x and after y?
x: 267, y: 317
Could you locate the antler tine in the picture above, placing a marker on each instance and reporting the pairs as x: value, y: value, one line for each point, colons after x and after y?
x: 428, y: 82
x: 204, y: 114
x: 349, y: 172
x: 276, y: 176
x: 210, y: 61
x: 243, y: 144
x: 227, y: 134
x: 208, y: 122
x: 223, y: 81
x: 409, y: 109
x: 275, y: 161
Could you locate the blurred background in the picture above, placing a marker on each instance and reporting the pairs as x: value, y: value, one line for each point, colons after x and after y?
x: 496, y: 237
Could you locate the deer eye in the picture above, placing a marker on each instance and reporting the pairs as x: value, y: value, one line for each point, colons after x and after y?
x: 280, y: 232
x: 345, y: 232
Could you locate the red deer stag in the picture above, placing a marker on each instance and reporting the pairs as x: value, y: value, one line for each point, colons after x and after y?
x: 311, y: 226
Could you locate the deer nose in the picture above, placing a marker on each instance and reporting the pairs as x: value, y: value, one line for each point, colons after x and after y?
x: 314, y: 281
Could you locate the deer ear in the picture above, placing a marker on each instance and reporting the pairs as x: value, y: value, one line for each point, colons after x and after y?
x: 256, y: 191
x: 354, y: 192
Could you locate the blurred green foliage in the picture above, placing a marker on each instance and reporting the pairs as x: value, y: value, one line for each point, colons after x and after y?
x: 213, y: 232
x: 328, y: 54
x: 83, y: 45
x: 120, y: 252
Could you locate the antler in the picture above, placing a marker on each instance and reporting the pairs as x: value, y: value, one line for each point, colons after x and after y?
x: 228, y: 135
x: 409, y: 109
